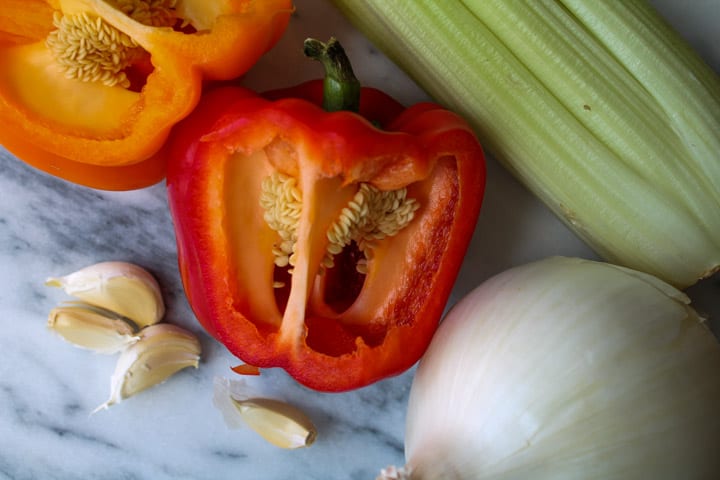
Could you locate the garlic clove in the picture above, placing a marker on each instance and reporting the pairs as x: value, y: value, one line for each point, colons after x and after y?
x: 92, y: 328
x: 280, y: 423
x: 162, y: 350
x: 121, y: 287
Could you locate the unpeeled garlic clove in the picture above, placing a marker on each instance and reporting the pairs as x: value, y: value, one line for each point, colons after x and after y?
x: 121, y: 287
x: 162, y: 350
x: 280, y: 423
x: 92, y: 328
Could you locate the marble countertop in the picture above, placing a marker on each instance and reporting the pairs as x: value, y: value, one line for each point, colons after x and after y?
x: 48, y: 388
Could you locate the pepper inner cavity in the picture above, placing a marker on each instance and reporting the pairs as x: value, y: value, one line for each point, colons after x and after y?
x: 371, y: 216
x: 89, y: 49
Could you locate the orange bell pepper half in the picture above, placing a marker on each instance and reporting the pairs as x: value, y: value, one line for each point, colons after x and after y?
x: 91, y: 88
x: 324, y: 243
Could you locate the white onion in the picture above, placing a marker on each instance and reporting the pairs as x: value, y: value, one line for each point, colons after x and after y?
x: 568, y: 369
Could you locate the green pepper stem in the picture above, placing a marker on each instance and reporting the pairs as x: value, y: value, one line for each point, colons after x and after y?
x: 341, y: 89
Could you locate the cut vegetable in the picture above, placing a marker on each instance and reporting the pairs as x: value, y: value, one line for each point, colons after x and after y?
x: 91, y: 88
x: 600, y: 108
x: 322, y: 242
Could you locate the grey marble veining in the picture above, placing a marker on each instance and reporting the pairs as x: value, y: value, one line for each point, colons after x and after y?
x: 48, y: 388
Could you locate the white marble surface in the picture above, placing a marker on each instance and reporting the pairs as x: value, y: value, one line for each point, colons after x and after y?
x: 48, y: 388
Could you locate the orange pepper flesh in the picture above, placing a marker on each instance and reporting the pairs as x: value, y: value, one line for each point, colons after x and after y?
x: 109, y: 136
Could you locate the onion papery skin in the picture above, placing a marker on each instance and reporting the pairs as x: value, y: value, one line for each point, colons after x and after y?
x: 568, y: 369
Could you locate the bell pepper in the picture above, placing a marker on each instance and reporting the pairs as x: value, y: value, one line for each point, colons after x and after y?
x: 91, y: 88
x: 322, y: 242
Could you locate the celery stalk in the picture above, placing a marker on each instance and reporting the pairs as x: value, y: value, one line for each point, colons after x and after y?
x: 598, y: 107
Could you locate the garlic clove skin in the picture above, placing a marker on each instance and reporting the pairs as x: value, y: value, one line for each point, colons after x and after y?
x: 121, y: 287
x: 280, y: 423
x: 92, y: 328
x: 162, y: 350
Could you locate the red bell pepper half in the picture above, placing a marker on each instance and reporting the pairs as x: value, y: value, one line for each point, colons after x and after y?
x: 323, y: 242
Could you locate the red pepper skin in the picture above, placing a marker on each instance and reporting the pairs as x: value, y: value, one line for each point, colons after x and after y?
x: 224, y: 248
